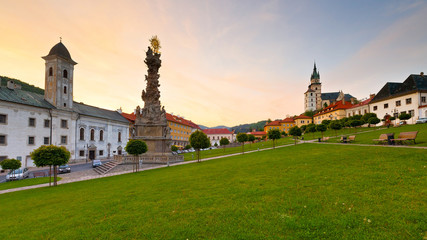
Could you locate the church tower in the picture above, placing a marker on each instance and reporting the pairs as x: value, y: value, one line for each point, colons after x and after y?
x: 59, y: 73
x: 312, y: 97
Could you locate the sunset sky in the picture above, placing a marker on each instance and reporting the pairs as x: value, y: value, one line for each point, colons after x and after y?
x: 223, y: 62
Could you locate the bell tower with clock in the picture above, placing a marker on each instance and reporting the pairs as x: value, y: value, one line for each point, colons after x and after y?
x: 59, y: 73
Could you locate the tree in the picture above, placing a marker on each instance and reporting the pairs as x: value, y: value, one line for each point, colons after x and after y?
x: 199, y: 140
x: 365, y: 118
x: 295, y: 132
x: 321, y: 128
x: 242, y: 138
x: 224, y: 141
x: 356, y: 123
x: 273, y: 135
x: 136, y: 147
x: 284, y: 133
x: 251, y: 138
x: 174, y: 148
x: 51, y: 156
x: 373, y: 120
x: 404, y: 116
x: 326, y: 122
x: 309, y: 113
x: 303, y: 128
x: 311, y: 128
x: 11, y: 164
x: 188, y: 146
x: 335, y: 125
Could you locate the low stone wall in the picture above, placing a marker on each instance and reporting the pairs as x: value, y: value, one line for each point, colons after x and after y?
x: 152, y: 159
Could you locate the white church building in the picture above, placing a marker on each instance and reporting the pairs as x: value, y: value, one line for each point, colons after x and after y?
x: 29, y: 119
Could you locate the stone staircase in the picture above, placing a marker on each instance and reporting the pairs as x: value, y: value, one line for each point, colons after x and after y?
x: 106, y: 167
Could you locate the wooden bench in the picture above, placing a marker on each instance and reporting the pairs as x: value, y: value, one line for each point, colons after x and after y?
x: 324, y: 139
x: 351, y: 138
x: 382, y: 139
x: 406, y: 136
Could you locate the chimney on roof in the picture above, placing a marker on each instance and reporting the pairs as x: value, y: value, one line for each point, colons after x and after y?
x: 353, y: 100
x: 12, y: 85
x: 422, y: 74
x: 372, y: 95
x: 119, y: 110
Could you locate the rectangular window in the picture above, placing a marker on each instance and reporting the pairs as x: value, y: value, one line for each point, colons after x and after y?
x: 398, y: 103
x: 31, y: 122
x: 408, y: 100
x: 3, y: 158
x: 101, y: 152
x: 82, y: 153
x: 3, y: 140
x: 31, y: 140
x: 385, y: 105
x: 46, y: 123
x: 64, y: 123
x: 423, y: 99
x: 63, y: 139
x: 375, y: 108
x: 411, y: 112
x: 46, y: 140
x: 3, y: 119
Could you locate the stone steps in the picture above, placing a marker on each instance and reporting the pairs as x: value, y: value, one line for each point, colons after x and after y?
x: 106, y: 167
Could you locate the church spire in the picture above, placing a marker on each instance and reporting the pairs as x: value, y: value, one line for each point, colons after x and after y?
x: 315, y: 75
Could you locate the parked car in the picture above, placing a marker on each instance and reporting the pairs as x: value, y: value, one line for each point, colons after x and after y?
x: 17, y: 174
x: 421, y: 120
x: 96, y: 163
x: 64, y: 169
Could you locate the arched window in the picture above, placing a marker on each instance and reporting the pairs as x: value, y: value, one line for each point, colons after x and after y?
x: 65, y: 74
x: 92, y: 135
x: 120, y: 137
x: 65, y: 89
x: 101, y: 135
x: 82, y: 134
x: 50, y: 71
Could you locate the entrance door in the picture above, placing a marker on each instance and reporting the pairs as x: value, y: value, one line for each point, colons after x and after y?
x: 91, y: 154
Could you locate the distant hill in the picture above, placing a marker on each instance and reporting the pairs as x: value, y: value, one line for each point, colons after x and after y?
x: 203, y: 127
x: 24, y: 86
x: 258, y: 126
x: 221, y: 126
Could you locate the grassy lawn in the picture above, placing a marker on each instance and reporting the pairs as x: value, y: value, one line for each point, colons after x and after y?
x: 308, y: 191
x: 421, y: 140
x: 248, y: 147
x: 25, y: 182
x: 344, y: 131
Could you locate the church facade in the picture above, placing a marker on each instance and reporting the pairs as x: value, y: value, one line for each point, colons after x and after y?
x: 315, y: 100
x: 29, y: 119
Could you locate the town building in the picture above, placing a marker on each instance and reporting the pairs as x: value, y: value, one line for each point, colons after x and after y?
x: 181, y: 128
x: 216, y: 134
x: 281, y: 125
x: 335, y: 111
x: 29, y: 118
x: 407, y: 97
x: 302, y: 120
x: 360, y: 108
x: 258, y: 134
x: 314, y: 99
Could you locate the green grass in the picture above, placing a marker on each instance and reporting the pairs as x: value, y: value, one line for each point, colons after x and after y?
x: 344, y: 131
x: 308, y: 191
x: 25, y: 182
x: 248, y: 147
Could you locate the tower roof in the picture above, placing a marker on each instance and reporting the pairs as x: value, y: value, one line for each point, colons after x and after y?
x: 61, y: 51
x: 315, y: 74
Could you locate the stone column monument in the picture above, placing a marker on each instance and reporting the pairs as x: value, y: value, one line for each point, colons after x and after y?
x: 151, y: 125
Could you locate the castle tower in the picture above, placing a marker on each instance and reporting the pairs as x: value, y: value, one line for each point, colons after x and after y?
x: 59, y: 72
x: 312, y: 97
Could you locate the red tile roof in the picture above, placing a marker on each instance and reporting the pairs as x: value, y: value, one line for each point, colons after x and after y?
x: 366, y: 102
x: 303, y: 117
x: 216, y: 131
x: 172, y: 118
x: 279, y: 122
x: 257, y: 133
x: 333, y: 107
x: 287, y: 120
x: 273, y: 123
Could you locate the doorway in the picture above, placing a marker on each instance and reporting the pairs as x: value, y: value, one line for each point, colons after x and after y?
x: 91, y: 154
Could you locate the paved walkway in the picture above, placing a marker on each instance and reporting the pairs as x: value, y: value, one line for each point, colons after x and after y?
x: 90, y: 174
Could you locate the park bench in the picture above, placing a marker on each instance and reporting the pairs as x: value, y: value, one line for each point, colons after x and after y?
x: 39, y: 174
x: 324, y: 139
x: 405, y: 136
x: 382, y: 139
x: 351, y: 138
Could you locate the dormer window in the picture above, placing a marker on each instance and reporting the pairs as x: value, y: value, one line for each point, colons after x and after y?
x: 65, y: 74
x: 50, y: 71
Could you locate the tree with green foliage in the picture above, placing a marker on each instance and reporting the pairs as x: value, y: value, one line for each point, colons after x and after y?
x: 326, y: 122
x: 373, y: 120
x: 174, y: 148
x: 199, y: 140
x: 251, y: 138
x: 335, y: 125
x: 188, y: 146
x: 367, y: 116
x: 404, y: 116
x: 311, y: 128
x: 223, y: 142
x: 321, y: 128
x: 10, y: 164
x: 303, y: 128
x: 136, y: 147
x: 295, y: 132
x: 273, y: 135
x: 52, y: 156
x: 309, y: 113
x: 216, y: 145
x: 242, y: 138
x: 356, y: 123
